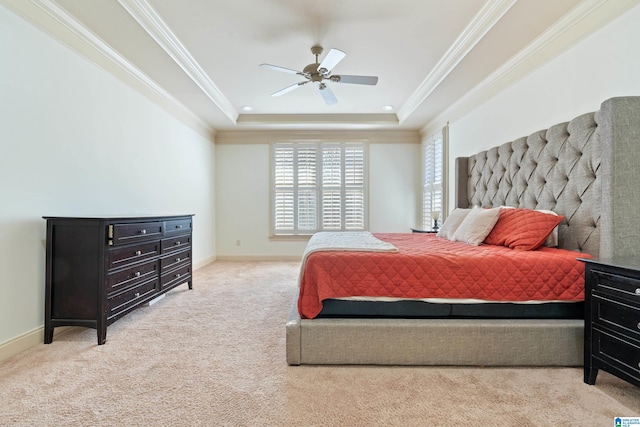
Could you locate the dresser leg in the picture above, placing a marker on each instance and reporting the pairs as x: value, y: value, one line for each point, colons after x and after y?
x: 190, y: 283
x: 102, y: 335
x: 48, y: 335
x: 590, y: 375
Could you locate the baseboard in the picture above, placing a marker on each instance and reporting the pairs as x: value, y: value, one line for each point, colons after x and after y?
x: 258, y: 258
x: 26, y: 341
x: 203, y: 262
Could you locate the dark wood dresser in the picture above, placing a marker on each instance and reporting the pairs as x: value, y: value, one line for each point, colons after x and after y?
x: 612, y: 319
x: 99, y: 269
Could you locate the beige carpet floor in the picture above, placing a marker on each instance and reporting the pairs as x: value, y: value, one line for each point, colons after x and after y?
x: 215, y: 356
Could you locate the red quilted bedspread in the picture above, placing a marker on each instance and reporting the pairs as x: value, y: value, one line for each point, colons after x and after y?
x: 429, y: 267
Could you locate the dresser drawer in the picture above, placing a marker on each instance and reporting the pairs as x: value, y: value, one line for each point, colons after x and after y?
x: 174, y: 260
x: 176, y: 243
x: 129, y: 298
x: 617, y: 285
x: 177, y: 226
x: 623, y: 354
x: 175, y: 277
x: 121, y: 234
x: 128, y: 255
x: 132, y: 276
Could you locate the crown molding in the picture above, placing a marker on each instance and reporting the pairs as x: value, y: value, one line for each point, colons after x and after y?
x: 147, y: 17
x: 270, y: 135
x: 54, y: 20
x: 484, y: 20
x: 582, y: 20
x: 317, y: 120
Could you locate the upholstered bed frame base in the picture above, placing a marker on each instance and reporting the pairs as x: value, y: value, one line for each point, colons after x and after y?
x: 586, y: 170
x: 455, y: 342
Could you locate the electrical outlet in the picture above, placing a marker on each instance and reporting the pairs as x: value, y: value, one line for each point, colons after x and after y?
x: 237, y: 242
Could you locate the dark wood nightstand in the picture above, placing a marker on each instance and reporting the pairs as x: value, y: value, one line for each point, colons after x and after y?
x: 612, y: 319
x: 417, y: 230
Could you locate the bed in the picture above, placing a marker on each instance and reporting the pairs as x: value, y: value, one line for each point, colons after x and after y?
x: 582, y: 170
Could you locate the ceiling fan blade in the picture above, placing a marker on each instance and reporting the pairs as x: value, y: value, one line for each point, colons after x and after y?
x: 327, y: 94
x: 289, y: 88
x: 359, y: 80
x: 283, y: 69
x: 331, y: 60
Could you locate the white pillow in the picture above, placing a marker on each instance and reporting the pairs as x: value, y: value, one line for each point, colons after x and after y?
x: 452, y: 223
x: 477, y: 225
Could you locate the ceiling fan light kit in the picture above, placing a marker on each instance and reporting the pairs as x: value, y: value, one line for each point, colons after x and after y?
x: 319, y: 72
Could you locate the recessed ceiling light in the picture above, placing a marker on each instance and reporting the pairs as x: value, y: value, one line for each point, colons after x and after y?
x: 387, y: 107
x: 246, y: 108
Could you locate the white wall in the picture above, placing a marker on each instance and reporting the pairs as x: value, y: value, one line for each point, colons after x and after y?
x: 242, y: 193
x: 394, y: 187
x: 75, y: 141
x: 603, y: 65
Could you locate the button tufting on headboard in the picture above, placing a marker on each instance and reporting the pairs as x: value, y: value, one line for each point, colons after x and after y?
x: 546, y: 170
x: 586, y: 169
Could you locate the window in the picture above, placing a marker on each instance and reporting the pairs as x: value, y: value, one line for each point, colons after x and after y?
x: 318, y: 187
x: 434, y: 150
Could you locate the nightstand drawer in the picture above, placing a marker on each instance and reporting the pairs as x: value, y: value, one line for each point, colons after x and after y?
x: 135, y: 232
x: 617, y: 285
x: 622, y: 354
x: 130, y: 277
x: 127, y: 255
x: 616, y: 314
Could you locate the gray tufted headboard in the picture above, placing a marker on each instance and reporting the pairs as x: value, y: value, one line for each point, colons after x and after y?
x: 587, y: 169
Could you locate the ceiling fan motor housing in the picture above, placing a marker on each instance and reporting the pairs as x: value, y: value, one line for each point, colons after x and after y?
x: 312, y: 71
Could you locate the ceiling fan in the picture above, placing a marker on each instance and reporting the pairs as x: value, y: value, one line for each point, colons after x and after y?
x: 319, y: 72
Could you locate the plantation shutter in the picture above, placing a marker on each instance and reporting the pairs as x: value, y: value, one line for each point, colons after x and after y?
x: 331, y: 187
x: 354, y: 188
x: 307, y: 188
x: 284, y: 188
x: 318, y: 186
x: 433, y: 190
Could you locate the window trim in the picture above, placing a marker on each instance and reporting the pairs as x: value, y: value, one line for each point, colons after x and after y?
x: 342, y: 143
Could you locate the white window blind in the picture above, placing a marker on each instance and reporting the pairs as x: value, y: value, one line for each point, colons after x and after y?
x: 318, y: 186
x: 433, y: 189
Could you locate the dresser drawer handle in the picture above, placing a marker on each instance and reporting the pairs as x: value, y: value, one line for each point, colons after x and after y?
x: 178, y: 226
x: 137, y: 274
x: 638, y: 325
x: 637, y: 291
x: 178, y: 242
x: 178, y: 260
x: 137, y: 294
x: 178, y: 275
x: 143, y: 231
x: 138, y: 252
